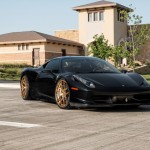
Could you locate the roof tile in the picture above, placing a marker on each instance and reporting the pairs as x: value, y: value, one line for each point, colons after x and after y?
x: 99, y: 4
x: 28, y: 36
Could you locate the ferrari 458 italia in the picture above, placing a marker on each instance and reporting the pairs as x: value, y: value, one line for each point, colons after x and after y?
x: 80, y: 81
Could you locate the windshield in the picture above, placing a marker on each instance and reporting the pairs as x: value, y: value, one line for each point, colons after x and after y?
x: 87, y: 65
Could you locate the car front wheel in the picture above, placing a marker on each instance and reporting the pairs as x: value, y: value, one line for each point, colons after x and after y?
x: 25, y: 88
x: 62, y: 94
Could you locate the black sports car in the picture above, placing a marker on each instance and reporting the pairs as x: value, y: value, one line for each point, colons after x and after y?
x: 83, y: 81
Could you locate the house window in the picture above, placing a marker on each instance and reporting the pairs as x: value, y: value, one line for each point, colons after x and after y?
x: 95, y: 16
x: 19, y: 47
x: 120, y: 16
x: 89, y: 17
x: 23, y: 46
x: 101, y: 16
x: 27, y: 46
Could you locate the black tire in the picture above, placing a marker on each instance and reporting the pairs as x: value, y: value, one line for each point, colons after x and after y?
x: 25, y: 88
x: 62, y: 94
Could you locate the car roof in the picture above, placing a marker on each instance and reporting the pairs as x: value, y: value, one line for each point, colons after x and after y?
x: 65, y: 57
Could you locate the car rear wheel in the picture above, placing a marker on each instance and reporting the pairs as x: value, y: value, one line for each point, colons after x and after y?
x: 25, y: 88
x: 62, y: 94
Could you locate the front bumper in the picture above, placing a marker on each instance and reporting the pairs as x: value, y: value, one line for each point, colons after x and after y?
x: 110, y: 98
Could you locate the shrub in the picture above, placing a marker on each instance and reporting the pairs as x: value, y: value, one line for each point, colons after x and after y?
x: 11, y: 71
x: 14, y: 65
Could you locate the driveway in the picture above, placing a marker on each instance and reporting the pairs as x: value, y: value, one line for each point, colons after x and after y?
x: 29, y: 125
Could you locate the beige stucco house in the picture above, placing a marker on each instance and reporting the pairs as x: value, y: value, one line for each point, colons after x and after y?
x: 102, y: 17
x: 35, y: 48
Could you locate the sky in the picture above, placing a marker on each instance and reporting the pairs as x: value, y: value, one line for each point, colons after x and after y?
x: 47, y: 16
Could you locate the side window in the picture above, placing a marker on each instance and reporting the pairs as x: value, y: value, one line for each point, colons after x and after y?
x: 54, y: 66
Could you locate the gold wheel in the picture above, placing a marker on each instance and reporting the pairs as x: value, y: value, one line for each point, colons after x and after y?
x: 62, y: 94
x: 25, y: 88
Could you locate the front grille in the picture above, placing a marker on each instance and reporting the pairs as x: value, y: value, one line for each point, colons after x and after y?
x: 99, y: 97
x: 127, y: 99
x: 122, y: 99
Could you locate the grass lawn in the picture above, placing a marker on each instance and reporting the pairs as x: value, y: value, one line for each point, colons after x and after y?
x: 10, y: 71
x: 147, y: 77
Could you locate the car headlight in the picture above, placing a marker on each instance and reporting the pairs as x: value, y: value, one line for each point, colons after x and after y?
x: 84, y: 81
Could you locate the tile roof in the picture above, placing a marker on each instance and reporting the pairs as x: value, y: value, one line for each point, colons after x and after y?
x: 33, y: 36
x: 100, y: 4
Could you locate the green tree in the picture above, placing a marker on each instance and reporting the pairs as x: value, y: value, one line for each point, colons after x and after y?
x: 137, y: 35
x: 99, y: 47
x: 118, y: 53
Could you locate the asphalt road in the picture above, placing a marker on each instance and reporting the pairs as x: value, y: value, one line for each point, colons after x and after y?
x: 40, y: 125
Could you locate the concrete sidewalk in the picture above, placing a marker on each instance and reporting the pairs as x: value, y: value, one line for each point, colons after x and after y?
x: 9, y: 81
x: 9, y: 84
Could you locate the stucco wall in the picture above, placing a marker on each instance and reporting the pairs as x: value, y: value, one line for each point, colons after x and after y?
x: 92, y: 28
x: 144, y: 55
x: 88, y: 29
x: 72, y: 35
x: 109, y: 25
x: 112, y: 29
x: 82, y: 21
x: 11, y: 54
x: 13, y: 48
x: 54, y: 50
x: 19, y: 58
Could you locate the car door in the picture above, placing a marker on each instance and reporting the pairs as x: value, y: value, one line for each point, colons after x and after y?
x: 47, y: 76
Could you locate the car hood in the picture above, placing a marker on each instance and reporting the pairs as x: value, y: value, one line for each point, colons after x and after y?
x: 114, y: 79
